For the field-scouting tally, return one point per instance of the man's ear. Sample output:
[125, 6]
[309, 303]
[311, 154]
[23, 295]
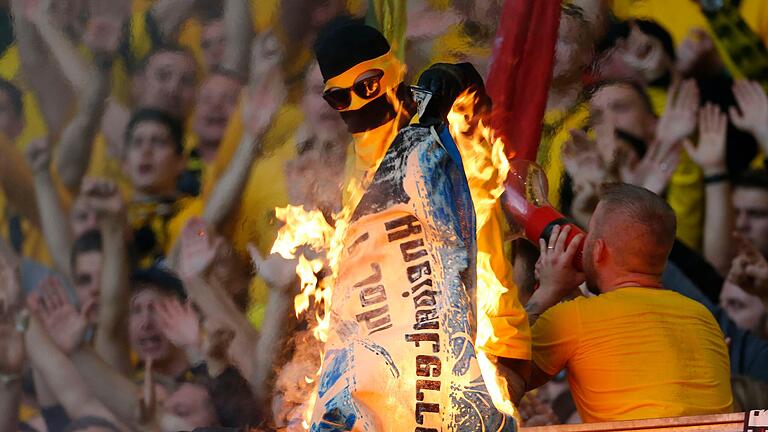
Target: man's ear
[600, 251]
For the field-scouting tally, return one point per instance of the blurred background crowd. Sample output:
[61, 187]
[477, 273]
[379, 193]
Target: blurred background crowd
[145, 144]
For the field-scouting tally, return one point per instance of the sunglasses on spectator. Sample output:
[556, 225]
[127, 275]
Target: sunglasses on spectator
[367, 86]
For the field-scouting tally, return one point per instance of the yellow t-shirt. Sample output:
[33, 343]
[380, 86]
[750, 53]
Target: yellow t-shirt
[265, 189]
[636, 353]
[156, 226]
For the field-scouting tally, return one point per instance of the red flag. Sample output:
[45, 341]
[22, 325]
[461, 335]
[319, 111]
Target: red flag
[518, 81]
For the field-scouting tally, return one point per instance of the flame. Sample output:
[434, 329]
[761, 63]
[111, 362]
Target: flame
[486, 166]
[485, 162]
[316, 244]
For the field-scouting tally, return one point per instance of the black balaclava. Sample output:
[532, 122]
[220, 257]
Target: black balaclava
[345, 48]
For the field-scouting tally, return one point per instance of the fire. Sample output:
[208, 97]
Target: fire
[486, 166]
[485, 163]
[317, 245]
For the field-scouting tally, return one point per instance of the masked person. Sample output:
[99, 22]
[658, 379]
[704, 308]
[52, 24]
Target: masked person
[400, 353]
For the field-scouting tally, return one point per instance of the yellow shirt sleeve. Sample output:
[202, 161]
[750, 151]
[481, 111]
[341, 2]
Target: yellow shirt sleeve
[503, 328]
[555, 336]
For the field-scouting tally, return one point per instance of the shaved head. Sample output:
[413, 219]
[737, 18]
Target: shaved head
[636, 227]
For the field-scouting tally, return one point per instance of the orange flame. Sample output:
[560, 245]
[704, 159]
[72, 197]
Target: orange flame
[486, 166]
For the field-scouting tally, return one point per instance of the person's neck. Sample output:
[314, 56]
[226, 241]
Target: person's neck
[207, 150]
[631, 280]
[564, 93]
[172, 366]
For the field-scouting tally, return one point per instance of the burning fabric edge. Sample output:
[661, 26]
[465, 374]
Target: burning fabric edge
[415, 193]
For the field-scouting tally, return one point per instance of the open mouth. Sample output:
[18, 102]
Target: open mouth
[216, 121]
[150, 343]
[145, 168]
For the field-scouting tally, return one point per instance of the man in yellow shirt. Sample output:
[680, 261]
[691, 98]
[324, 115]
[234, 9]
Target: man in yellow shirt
[635, 350]
[153, 160]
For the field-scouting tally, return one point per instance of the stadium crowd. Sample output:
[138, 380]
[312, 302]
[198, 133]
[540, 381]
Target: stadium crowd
[145, 144]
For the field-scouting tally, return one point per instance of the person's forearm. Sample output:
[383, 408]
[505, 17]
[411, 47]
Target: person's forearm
[239, 34]
[509, 375]
[59, 373]
[540, 301]
[69, 60]
[118, 393]
[40, 72]
[73, 154]
[58, 236]
[16, 181]
[170, 14]
[217, 305]
[112, 335]
[270, 339]
[718, 223]
[229, 188]
[10, 400]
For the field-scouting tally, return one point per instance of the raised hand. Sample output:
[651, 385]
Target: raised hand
[278, 272]
[749, 269]
[557, 274]
[62, 321]
[710, 153]
[216, 342]
[198, 249]
[679, 118]
[583, 160]
[103, 196]
[266, 90]
[698, 52]
[536, 412]
[39, 156]
[103, 36]
[752, 114]
[37, 10]
[654, 170]
[179, 323]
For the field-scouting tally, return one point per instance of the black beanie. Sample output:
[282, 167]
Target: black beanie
[345, 42]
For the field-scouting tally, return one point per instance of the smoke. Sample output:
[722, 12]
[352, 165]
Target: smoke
[293, 387]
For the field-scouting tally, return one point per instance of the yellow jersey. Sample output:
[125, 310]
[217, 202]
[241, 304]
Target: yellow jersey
[636, 353]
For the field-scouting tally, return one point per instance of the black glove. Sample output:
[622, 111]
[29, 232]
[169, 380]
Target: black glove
[446, 82]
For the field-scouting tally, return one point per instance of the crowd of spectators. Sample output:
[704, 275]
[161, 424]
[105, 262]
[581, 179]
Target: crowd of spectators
[145, 144]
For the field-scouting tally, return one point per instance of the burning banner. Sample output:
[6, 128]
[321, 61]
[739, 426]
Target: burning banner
[398, 319]
[400, 353]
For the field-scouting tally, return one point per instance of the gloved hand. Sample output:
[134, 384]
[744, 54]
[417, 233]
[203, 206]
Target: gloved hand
[446, 82]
